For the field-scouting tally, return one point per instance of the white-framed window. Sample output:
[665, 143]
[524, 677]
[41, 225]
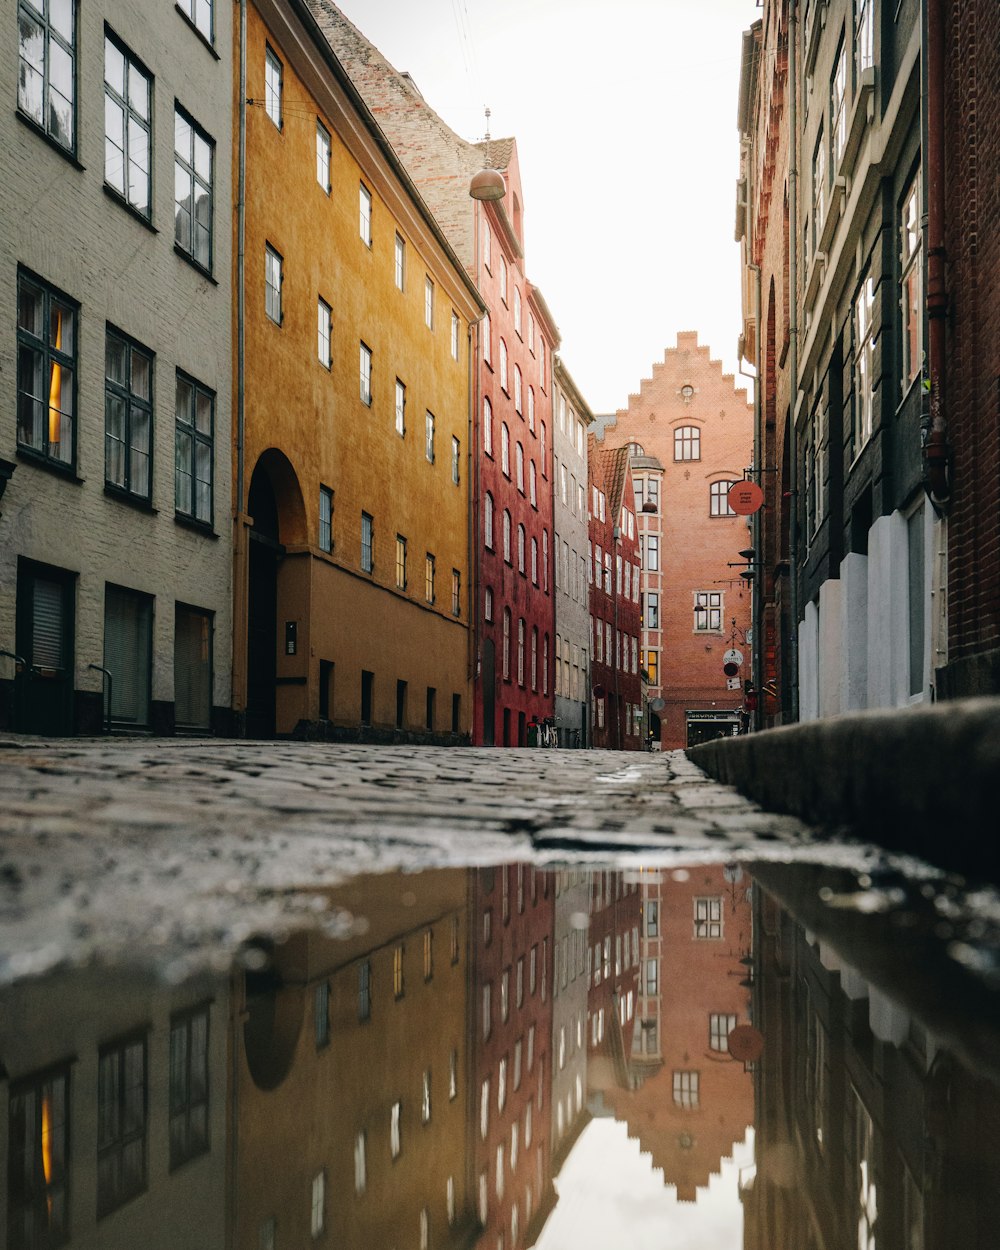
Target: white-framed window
[534, 561]
[400, 562]
[429, 436]
[360, 1162]
[505, 449]
[127, 123]
[503, 277]
[506, 644]
[400, 262]
[488, 520]
[365, 374]
[517, 309]
[322, 156]
[487, 245]
[864, 34]
[534, 686]
[425, 1228]
[365, 214]
[194, 159]
[718, 498]
[545, 669]
[425, 1097]
[838, 108]
[430, 570]
[454, 335]
[864, 364]
[400, 408]
[532, 484]
[323, 316]
[719, 1028]
[317, 1219]
[487, 426]
[428, 303]
[519, 467]
[545, 566]
[531, 332]
[517, 389]
[506, 536]
[273, 278]
[707, 611]
[488, 603]
[687, 442]
[652, 607]
[456, 593]
[273, 73]
[367, 543]
[911, 285]
[486, 332]
[456, 460]
[707, 918]
[503, 365]
[685, 1089]
[395, 1137]
[521, 548]
[199, 13]
[819, 187]
[325, 518]
[531, 409]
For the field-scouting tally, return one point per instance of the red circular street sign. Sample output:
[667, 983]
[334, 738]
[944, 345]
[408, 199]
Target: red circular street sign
[746, 1043]
[745, 498]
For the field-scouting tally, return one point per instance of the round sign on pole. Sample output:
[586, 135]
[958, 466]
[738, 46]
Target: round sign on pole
[732, 656]
[746, 1043]
[745, 497]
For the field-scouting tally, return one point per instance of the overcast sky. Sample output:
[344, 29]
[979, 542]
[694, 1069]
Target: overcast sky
[625, 118]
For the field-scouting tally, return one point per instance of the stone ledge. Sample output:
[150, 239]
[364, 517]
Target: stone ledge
[921, 781]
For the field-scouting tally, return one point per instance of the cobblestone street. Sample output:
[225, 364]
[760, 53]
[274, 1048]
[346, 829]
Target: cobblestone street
[103, 842]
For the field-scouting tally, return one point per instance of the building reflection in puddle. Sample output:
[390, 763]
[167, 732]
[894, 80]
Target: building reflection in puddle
[432, 1074]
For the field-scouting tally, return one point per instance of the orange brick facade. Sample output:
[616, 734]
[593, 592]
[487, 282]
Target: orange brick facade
[693, 419]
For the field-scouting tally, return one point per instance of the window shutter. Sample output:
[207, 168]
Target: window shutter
[47, 634]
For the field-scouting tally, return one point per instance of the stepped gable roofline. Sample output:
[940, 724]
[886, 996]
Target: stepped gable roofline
[542, 308]
[565, 380]
[306, 12]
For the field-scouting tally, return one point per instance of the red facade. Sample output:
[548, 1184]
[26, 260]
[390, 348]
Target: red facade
[616, 690]
[514, 686]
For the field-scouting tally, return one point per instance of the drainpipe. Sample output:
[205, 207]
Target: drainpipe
[757, 587]
[936, 453]
[793, 366]
[241, 556]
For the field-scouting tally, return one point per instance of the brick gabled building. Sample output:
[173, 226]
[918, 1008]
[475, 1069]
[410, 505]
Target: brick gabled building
[616, 690]
[510, 438]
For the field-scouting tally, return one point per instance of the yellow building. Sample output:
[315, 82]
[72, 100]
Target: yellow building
[352, 588]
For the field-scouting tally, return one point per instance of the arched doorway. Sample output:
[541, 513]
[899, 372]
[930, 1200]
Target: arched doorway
[275, 503]
[488, 687]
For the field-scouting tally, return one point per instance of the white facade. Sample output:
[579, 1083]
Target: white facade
[116, 338]
[570, 421]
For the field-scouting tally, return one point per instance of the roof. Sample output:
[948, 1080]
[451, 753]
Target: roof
[501, 150]
[614, 462]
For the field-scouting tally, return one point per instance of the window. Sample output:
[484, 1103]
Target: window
[128, 642]
[487, 333]
[517, 310]
[325, 518]
[192, 668]
[429, 436]
[814, 469]
[128, 416]
[199, 13]
[506, 645]
[520, 655]
[365, 377]
[517, 389]
[819, 187]
[487, 426]
[400, 409]
[400, 262]
[687, 443]
[532, 484]
[456, 460]
[273, 278]
[531, 409]
[652, 913]
[360, 1162]
[505, 448]
[46, 80]
[487, 1025]
[708, 918]
[188, 1087]
[719, 499]
[428, 303]
[321, 1014]
[453, 1065]
[322, 156]
[429, 578]
[488, 520]
[273, 71]
[365, 214]
[323, 333]
[127, 126]
[545, 560]
[194, 157]
[425, 1097]
[864, 365]
[400, 562]
[707, 611]
[503, 365]
[488, 603]
[398, 981]
[317, 1217]
[425, 1228]
[506, 536]
[456, 593]
[267, 1234]
[46, 371]
[519, 467]
[503, 278]
[686, 1089]
[838, 108]
[37, 1167]
[365, 990]
[543, 458]
[121, 1124]
[534, 561]
[910, 285]
[864, 34]
[545, 664]
[652, 977]
[652, 606]
[367, 543]
[395, 1141]
[719, 1028]
[454, 335]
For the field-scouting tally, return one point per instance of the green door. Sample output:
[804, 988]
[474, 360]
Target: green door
[43, 699]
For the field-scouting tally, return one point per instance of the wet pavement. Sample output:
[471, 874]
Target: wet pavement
[258, 996]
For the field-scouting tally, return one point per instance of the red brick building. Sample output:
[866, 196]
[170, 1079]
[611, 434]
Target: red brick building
[969, 38]
[510, 444]
[616, 692]
[690, 416]
[513, 914]
[613, 979]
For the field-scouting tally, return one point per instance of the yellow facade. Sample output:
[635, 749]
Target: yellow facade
[318, 620]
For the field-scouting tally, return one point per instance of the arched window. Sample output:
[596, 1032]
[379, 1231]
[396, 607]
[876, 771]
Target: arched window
[545, 470]
[687, 442]
[545, 560]
[636, 449]
[506, 644]
[519, 467]
[532, 484]
[517, 388]
[545, 664]
[487, 333]
[517, 308]
[506, 535]
[520, 650]
[505, 448]
[558, 689]
[487, 425]
[488, 520]
[520, 548]
[534, 655]
[531, 409]
[503, 364]
[719, 499]
[534, 560]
